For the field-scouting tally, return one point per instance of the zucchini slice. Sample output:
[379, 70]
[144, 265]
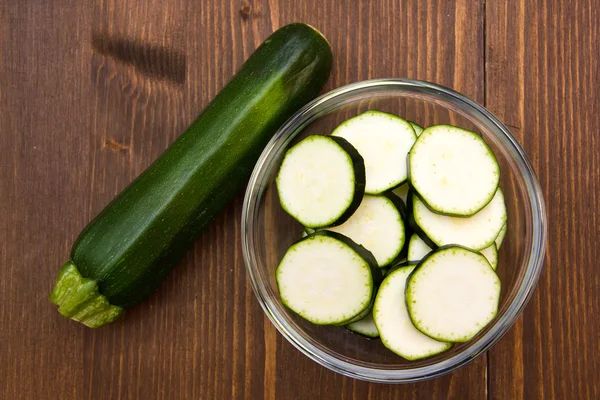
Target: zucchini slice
[414, 227]
[383, 140]
[500, 239]
[417, 249]
[321, 181]
[377, 225]
[417, 128]
[394, 324]
[365, 326]
[476, 232]
[453, 170]
[491, 254]
[452, 295]
[327, 279]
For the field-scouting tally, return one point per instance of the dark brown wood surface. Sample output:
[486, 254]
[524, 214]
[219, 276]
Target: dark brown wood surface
[92, 91]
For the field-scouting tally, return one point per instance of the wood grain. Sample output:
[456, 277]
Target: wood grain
[542, 79]
[91, 92]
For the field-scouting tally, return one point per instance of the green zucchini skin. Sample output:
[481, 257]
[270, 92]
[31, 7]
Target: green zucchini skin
[131, 246]
[414, 227]
[401, 207]
[359, 178]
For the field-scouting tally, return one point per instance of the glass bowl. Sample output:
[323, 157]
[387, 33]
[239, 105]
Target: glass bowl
[267, 231]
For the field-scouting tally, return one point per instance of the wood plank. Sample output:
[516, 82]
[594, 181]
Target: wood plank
[542, 79]
[44, 125]
[90, 94]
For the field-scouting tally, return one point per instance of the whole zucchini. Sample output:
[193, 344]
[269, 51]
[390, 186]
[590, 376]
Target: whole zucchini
[128, 249]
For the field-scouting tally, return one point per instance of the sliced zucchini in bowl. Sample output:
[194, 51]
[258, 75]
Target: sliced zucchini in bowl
[383, 140]
[363, 313]
[327, 279]
[417, 249]
[452, 295]
[491, 254]
[417, 128]
[377, 225]
[365, 326]
[500, 238]
[414, 227]
[321, 181]
[476, 232]
[440, 287]
[453, 170]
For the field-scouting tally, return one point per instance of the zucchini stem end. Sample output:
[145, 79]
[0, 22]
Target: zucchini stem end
[78, 298]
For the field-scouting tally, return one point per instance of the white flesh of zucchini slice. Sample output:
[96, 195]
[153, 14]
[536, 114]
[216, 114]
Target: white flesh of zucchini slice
[417, 248]
[316, 182]
[452, 295]
[453, 170]
[500, 239]
[377, 225]
[324, 280]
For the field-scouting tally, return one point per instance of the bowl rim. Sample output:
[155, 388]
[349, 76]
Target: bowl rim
[319, 107]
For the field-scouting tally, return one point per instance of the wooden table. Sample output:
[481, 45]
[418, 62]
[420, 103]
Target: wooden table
[92, 92]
